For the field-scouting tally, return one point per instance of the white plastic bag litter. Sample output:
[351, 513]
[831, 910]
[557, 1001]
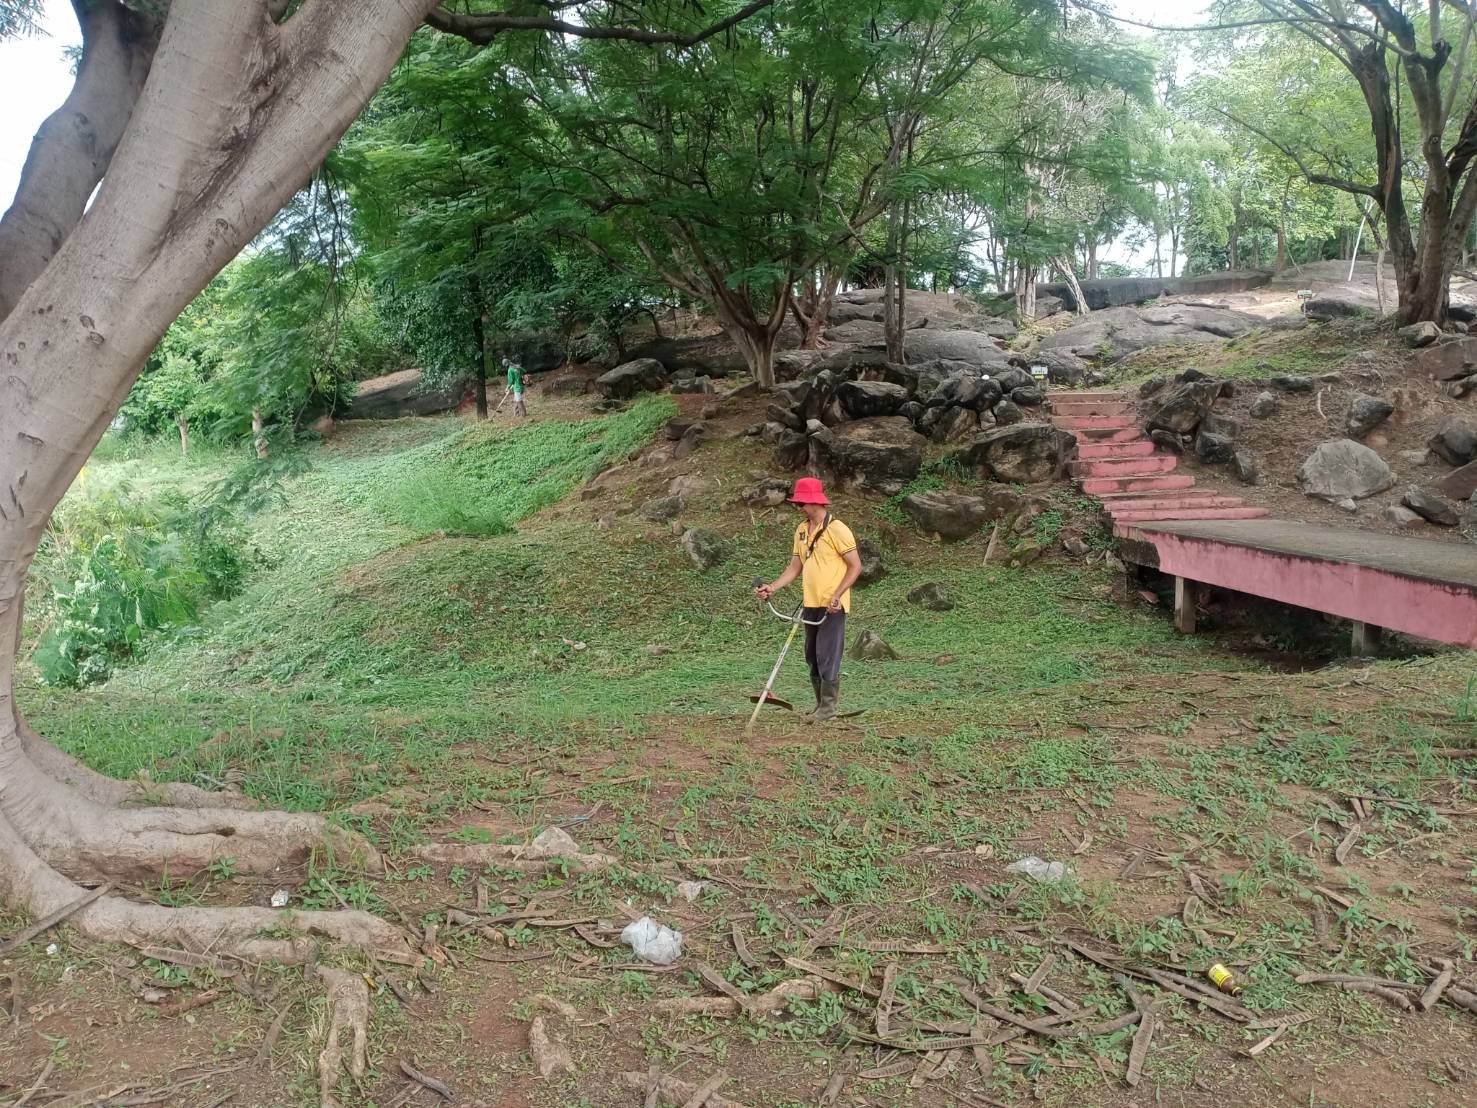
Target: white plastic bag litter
[653, 942]
[1048, 873]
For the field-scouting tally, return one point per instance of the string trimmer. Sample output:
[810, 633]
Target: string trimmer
[795, 621]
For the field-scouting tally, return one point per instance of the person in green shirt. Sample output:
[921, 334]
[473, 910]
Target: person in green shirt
[515, 385]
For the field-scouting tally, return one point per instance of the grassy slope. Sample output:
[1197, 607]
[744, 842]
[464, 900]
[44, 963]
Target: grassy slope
[443, 677]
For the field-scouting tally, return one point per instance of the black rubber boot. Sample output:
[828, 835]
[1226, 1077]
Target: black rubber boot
[825, 708]
[815, 684]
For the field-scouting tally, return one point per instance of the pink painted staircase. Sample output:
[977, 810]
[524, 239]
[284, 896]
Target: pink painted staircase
[1135, 480]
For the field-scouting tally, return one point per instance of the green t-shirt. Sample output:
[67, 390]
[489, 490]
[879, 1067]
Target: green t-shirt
[515, 377]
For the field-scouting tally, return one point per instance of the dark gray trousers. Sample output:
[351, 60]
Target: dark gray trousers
[824, 645]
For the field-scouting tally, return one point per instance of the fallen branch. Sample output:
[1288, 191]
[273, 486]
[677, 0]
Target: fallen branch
[189, 1004]
[1143, 1037]
[1252, 1052]
[1434, 991]
[884, 1000]
[675, 1090]
[705, 1091]
[425, 1081]
[1385, 990]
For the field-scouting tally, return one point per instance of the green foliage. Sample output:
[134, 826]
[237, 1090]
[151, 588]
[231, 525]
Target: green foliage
[481, 480]
[121, 568]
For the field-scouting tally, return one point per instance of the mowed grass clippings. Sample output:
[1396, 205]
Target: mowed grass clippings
[465, 685]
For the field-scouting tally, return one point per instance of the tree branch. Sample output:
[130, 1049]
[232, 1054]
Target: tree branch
[1312, 178]
[483, 28]
[72, 149]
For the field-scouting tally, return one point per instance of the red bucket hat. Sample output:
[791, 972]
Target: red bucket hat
[808, 490]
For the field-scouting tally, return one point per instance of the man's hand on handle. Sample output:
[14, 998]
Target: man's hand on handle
[764, 592]
[834, 606]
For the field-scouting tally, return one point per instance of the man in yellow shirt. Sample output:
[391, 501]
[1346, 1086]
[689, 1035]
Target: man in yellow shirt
[825, 553]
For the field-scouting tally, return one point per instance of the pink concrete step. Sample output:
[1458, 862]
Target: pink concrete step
[1191, 513]
[1126, 467]
[1096, 486]
[1128, 497]
[1118, 505]
[1116, 416]
[1090, 423]
[1106, 434]
[1140, 449]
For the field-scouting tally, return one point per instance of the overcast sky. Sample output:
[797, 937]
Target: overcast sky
[35, 76]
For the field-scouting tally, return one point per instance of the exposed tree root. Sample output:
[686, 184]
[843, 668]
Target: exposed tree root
[89, 841]
[112, 793]
[256, 934]
[348, 1012]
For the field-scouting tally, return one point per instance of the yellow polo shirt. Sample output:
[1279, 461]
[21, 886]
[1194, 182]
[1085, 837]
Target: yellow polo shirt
[826, 568]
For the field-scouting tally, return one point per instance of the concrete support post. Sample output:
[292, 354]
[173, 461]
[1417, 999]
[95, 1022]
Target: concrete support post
[1184, 605]
[1366, 639]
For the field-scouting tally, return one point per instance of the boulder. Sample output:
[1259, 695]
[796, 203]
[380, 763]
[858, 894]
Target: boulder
[767, 492]
[1029, 396]
[1459, 484]
[950, 515]
[1012, 377]
[1265, 405]
[630, 378]
[1024, 453]
[1455, 441]
[1345, 302]
[1462, 387]
[932, 596]
[396, 395]
[1062, 366]
[1218, 424]
[911, 411]
[691, 439]
[696, 385]
[882, 453]
[1247, 471]
[1397, 515]
[861, 332]
[785, 416]
[1431, 506]
[1167, 440]
[964, 390]
[567, 386]
[1446, 361]
[1181, 407]
[871, 647]
[1152, 385]
[976, 348]
[1115, 332]
[863, 399]
[1365, 414]
[1008, 412]
[791, 449]
[1293, 383]
[1418, 335]
[662, 509]
[1417, 457]
[874, 566]
[1341, 469]
[1213, 448]
[706, 548]
[954, 425]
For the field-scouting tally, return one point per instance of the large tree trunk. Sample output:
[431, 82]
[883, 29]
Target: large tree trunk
[753, 336]
[1069, 275]
[72, 149]
[812, 308]
[236, 113]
